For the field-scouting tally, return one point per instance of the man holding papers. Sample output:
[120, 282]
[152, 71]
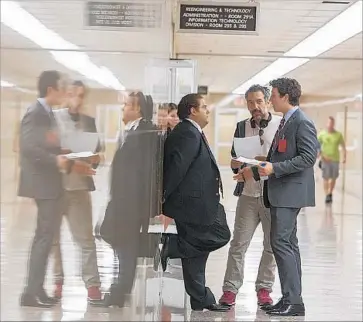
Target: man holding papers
[290, 187]
[76, 131]
[253, 138]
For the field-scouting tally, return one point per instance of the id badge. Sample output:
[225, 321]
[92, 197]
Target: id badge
[282, 145]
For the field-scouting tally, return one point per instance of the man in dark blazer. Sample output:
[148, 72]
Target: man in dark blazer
[192, 187]
[290, 187]
[133, 195]
[41, 164]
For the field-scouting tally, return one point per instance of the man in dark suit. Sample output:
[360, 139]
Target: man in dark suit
[192, 187]
[290, 187]
[41, 164]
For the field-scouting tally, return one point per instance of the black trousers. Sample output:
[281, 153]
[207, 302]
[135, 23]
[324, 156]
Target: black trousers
[127, 250]
[193, 245]
[285, 247]
[49, 219]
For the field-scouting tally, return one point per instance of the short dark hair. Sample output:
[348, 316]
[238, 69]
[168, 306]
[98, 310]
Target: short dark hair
[79, 83]
[146, 105]
[258, 88]
[331, 118]
[290, 87]
[187, 103]
[48, 78]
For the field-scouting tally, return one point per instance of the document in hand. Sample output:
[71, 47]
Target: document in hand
[79, 155]
[248, 161]
[248, 147]
[80, 141]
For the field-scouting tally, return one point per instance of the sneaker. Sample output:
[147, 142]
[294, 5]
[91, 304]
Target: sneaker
[263, 297]
[94, 293]
[329, 198]
[228, 298]
[58, 291]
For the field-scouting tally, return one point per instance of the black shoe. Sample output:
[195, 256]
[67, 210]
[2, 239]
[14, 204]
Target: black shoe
[110, 300]
[215, 307]
[44, 298]
[289, 310]
[277, 306]
[164, 254]
[329, 198]
[35, 301]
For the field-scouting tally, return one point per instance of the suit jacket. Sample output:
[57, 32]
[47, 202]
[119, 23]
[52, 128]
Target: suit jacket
[292, 185]
[191, 177]
[39, 145]
[133, 194]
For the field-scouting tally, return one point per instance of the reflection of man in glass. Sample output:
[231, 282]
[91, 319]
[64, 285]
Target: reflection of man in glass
[77, 202]
[132, 195]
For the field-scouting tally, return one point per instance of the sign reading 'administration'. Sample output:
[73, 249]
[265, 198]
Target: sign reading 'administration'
[239, 18]
[123, 14]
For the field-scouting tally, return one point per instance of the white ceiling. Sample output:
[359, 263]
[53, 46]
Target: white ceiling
[282, 25]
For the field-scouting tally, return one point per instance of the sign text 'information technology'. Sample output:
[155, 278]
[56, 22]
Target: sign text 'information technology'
[218, 18]
[123, 14]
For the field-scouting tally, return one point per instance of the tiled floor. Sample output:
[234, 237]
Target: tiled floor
[330, 243]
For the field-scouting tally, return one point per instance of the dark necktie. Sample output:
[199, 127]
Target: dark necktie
[276, 137]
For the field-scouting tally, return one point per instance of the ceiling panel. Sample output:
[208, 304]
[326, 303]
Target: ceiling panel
[282, 25]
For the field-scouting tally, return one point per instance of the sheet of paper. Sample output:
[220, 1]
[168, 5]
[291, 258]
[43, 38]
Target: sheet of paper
[248, 161]
[80, 141]
[79, 155]
[248, 147]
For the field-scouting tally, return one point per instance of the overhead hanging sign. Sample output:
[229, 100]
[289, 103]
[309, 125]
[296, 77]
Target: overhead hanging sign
[119, 14]
[222, 18]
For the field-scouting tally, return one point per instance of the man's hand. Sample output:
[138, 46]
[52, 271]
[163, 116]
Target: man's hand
[265, 169]
[62, 162]
[66, 151]
[94, 159]
[236, 164]
[83, 168]
[244, 175]
[344, 159]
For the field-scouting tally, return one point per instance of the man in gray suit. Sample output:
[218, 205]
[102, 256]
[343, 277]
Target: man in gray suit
[290, 187]
[41, 167]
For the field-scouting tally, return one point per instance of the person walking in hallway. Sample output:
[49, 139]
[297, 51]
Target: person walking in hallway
[290, 186]
[192, 187]
[77, 197]
[41, 167]
[250, 210]
[330, 140]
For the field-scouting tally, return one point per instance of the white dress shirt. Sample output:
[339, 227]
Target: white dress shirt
[196, 125]
[254, 188]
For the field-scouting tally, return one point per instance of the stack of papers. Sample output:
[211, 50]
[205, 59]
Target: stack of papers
[248, 147]
[248, 161]
[79, 155]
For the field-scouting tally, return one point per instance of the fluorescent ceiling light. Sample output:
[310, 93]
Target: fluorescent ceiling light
[6, 84]
[344, 26]
[15, 17]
